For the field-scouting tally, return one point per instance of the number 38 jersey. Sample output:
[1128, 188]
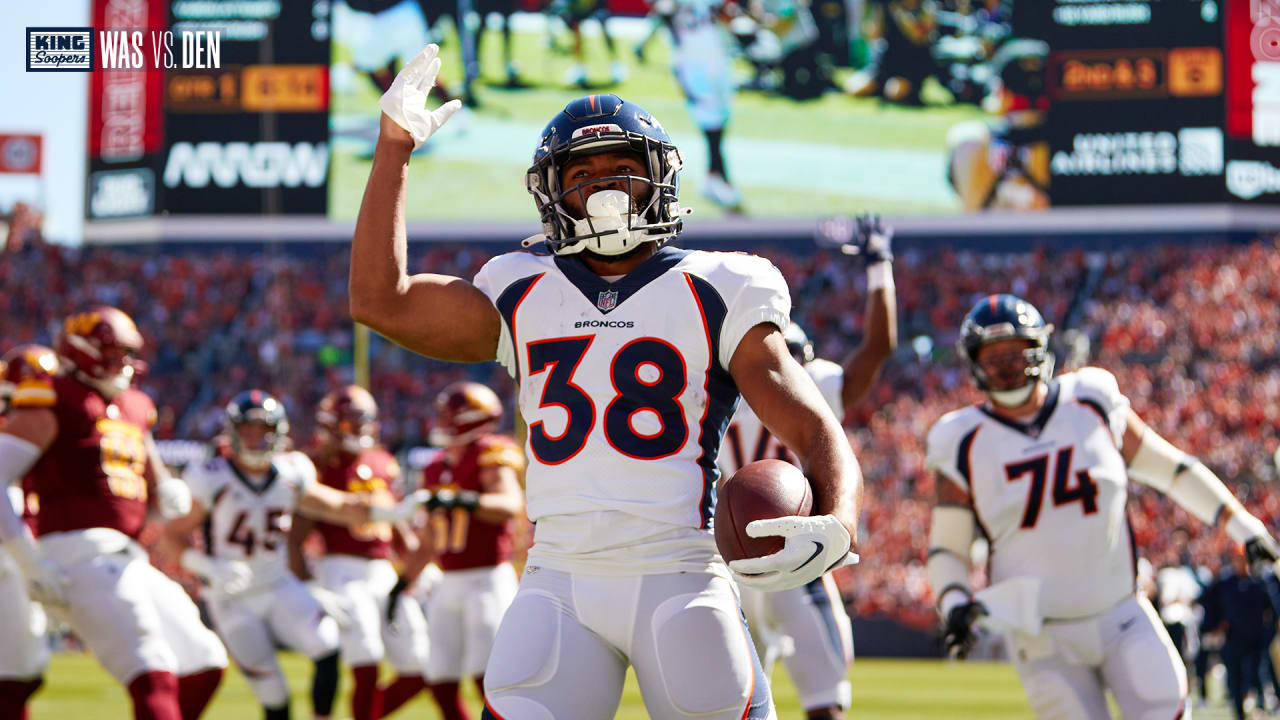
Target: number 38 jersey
[249, 518]
[626, 392]
[1050, 495]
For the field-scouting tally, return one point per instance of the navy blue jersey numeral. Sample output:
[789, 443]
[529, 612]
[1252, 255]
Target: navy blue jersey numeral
[635, 394]
[563, 355]
[1085, 490]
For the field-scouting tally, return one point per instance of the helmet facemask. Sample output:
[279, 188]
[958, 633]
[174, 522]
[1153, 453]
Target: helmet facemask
[1037, 361]
[617, 220]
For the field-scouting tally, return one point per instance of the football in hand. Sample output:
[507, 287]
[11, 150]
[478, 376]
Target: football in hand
[758, 491]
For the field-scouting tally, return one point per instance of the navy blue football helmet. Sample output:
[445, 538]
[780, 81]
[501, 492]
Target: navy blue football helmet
[257, 406]
[596, 124]
[1001, 317]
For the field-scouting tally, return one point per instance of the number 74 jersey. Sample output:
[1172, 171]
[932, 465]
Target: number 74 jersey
[1049, 494]
[625, 385]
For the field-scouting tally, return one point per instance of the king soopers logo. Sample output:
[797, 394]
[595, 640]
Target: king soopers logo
[60, 49]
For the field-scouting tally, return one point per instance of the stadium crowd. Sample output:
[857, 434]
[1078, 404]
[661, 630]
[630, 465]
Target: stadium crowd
[1191, 332]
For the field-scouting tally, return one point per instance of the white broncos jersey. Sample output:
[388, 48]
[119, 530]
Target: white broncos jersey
[1050, 495]
[626, 391]
[249, 519]
[748, 440]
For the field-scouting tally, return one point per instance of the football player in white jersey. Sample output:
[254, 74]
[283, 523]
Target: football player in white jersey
[244, 505]
[813, 616]
[630, 355]
[1042, 470]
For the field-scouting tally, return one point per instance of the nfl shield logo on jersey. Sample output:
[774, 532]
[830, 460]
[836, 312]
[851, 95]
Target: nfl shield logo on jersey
[607, 300]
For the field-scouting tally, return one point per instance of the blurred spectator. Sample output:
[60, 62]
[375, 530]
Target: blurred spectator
[1241, 607]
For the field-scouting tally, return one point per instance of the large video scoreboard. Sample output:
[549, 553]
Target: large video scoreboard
[1152, 101]
[249, 136]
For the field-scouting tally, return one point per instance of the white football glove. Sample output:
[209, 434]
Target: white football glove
[406, 101]
[228, 576]
[402, 511]
[173, 498]
[46, 582]
[813, 545]
[333, 604]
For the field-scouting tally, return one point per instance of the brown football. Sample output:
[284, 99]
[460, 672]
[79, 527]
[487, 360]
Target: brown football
[758, 491]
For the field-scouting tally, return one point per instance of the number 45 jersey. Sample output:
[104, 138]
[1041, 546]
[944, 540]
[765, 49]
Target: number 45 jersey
[626, 391]
[249, 517]
[1049, 495]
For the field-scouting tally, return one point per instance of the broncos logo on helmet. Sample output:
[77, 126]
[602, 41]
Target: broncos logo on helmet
[1004, 317]
[597, 124]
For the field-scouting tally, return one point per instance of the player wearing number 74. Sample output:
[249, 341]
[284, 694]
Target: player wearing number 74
[1042, 470]
[630, 355]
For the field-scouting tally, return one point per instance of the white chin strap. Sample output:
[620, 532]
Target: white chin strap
[607, 212]
[1015, 397]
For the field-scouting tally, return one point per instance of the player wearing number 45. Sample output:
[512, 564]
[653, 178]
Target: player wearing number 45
[1042, 470]
[630, 355]
[244, 503]
[83, 434]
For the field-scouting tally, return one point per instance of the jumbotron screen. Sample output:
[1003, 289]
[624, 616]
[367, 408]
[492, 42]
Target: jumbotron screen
[791, 109]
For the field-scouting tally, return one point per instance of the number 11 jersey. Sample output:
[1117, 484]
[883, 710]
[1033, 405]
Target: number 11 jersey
[625, 388]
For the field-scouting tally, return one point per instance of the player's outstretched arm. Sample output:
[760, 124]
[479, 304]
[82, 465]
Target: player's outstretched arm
[440, 316]
[791, 407]
[325, 503]
[298, 532]
[1153, 461]
[880, 338]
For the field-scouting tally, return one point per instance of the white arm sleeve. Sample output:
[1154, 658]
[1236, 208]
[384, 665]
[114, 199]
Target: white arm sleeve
[1189, 483]
[17, 457]
[950, 539]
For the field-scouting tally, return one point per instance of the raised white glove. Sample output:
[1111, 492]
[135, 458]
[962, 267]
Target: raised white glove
[406, 101]
[228, 576]
[333, 604]
[813, 545]
[46, 582]
[173, 498]
[402, 511]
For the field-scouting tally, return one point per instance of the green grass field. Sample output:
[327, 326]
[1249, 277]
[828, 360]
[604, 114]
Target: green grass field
[832, 155]
[76, 688]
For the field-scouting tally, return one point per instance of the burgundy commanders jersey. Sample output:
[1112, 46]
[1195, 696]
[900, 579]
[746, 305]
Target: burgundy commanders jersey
[463, 541]
[372, 473]
[94, 474]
